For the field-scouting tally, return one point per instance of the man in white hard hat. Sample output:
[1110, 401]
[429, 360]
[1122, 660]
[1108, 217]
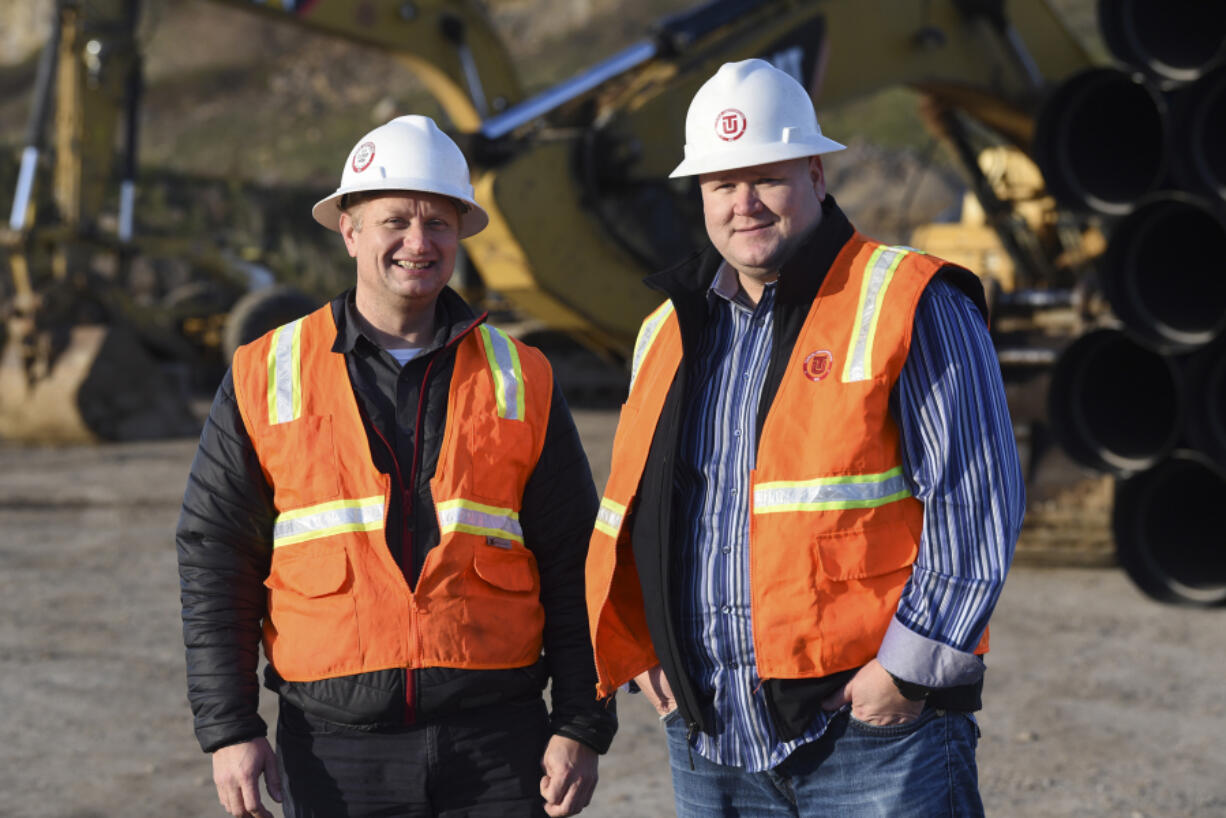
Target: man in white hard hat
[814, 495]
[393, 496]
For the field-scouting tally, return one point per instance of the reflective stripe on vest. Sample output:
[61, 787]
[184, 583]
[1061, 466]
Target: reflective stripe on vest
[830, 493]
[647, 336]
[503, 358]
[478, 518]
[327, 519]
[285, 374]
[879, 273]
[609, 518]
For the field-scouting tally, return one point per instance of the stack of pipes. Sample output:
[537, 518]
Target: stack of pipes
[1143, 395]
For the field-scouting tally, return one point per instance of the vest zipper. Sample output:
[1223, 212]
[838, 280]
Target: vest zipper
[410, 689]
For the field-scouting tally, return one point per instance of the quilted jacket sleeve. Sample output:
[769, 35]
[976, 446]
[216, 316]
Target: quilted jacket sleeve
[224, 543]
[559, 511]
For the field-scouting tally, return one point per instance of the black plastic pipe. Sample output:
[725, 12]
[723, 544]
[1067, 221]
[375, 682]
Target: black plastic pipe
[1170, 532]
[1163, 272]
[1113, 404]
[1198, 115]
[1102, 141]
[1204, 375]
[1170, 40]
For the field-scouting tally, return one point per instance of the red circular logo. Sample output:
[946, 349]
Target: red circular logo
[730, 124]
[818, 364]
[363, 156]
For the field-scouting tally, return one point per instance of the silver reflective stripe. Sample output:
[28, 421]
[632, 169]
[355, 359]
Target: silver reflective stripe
[853, 491]
[326, 519]
[478, 518]
[609, 518]
[503, 359]
[285, 398]
[647, 336]
[881, 266]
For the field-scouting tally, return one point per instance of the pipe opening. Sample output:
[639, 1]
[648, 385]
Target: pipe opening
[1171, 532]
[1175, 39]
[1207, 143]
[1102, 141]
[1163, 273]
[1114, 404]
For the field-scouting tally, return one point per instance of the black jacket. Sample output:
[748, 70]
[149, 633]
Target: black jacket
[224, 542]
[793, 703]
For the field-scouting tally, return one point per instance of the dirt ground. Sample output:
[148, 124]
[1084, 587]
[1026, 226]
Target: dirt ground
[1098, 703]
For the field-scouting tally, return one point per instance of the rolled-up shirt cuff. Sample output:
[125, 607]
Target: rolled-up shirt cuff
[924, 661]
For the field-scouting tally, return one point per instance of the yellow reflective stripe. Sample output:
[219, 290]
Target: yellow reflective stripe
[609, 518]
[878, 274]
[478, 518]
[326, 519]
[829, 493]
[503, 360]
[285, 373]
[648, 333]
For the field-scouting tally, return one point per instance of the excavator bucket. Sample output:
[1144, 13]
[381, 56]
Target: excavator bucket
[91, 383]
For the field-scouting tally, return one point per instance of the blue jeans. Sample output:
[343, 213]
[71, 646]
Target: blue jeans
[923, 769]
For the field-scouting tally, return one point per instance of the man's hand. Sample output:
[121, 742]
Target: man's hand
[874, 698]
[236, 772]
[570, 776]
[654, 685]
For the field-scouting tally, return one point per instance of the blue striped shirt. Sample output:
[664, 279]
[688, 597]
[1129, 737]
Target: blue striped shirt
[960, 460]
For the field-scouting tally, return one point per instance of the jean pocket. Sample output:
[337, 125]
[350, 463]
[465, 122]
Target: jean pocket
[671, 717]
[892, 730]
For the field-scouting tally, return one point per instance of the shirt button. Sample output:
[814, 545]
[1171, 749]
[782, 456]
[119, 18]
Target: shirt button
[726, 609]
[726, 550]
[732, 665]
[736, 432]
[733, 492]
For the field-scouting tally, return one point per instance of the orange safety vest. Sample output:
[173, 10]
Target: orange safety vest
[834, 529]
[338, 603]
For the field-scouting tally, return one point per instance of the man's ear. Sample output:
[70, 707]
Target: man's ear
[348, 227]
[818, 175]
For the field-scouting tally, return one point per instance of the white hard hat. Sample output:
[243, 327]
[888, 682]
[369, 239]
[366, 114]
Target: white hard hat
[409, 153]
[750, 113]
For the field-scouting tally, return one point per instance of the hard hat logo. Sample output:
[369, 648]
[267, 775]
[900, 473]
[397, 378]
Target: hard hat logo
[363, 156]
[730, 124]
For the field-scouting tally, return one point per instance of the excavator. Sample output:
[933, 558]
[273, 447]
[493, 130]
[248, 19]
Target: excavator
[592, 152]
[574, 179]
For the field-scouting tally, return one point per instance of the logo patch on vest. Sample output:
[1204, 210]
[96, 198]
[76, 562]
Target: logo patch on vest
[730, 124]
[818, 364]
[499, 542]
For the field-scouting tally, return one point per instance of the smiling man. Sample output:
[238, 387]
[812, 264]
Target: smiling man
[392, 495]
[814, 496]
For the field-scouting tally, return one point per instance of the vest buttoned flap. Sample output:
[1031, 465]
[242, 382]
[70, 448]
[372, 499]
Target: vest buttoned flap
[338, 602]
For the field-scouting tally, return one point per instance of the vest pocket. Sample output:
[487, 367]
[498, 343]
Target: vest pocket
[511, 569]
[300, 460]
[312, 628]
[865, 552]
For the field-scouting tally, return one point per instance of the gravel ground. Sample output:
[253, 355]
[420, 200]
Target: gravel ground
[1099, 702]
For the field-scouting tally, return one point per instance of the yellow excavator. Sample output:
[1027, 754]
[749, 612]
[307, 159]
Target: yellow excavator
[574, 178]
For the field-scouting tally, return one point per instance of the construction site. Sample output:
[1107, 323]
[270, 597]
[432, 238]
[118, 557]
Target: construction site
[160, 159]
